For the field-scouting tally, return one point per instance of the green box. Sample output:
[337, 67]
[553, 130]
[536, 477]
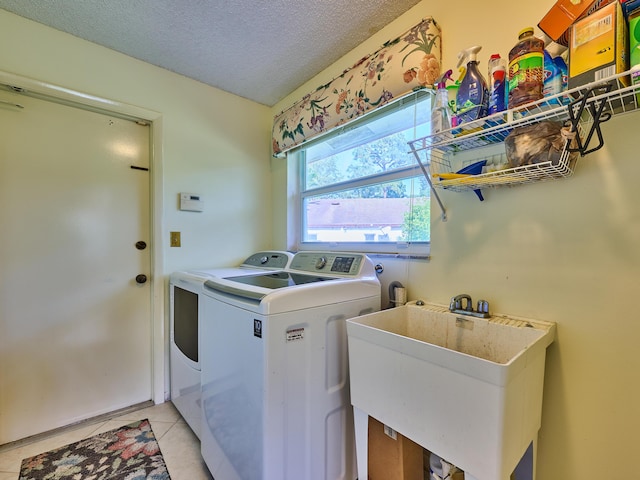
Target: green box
[634, 47]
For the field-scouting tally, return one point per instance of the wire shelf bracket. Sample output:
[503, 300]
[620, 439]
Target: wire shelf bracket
[596, 109]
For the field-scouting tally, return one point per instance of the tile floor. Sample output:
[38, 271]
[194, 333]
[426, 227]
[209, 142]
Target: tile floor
[180, 447]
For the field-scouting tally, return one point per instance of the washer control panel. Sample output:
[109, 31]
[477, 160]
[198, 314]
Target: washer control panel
[328, 262]
[277, 260]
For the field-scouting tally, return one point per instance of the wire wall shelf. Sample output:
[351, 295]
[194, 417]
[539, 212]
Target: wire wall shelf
[582, 109]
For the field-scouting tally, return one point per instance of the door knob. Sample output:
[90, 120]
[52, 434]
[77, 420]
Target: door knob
[141, 245]
[141, 278]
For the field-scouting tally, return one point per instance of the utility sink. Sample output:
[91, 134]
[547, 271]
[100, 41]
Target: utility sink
[468, 389]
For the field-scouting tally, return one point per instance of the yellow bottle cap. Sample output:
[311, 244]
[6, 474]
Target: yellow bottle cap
[525, 32]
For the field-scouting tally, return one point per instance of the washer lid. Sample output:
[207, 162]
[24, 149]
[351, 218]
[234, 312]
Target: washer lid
[258, 286]
[278, 279]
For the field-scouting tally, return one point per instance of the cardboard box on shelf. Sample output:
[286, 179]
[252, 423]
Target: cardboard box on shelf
[598, 46]
[562, 15]
[393, 459]
[634, 47]
[556, 24]
[629, 7]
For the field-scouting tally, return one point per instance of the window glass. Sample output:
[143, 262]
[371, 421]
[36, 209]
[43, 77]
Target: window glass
[361, 188]
[395, 211]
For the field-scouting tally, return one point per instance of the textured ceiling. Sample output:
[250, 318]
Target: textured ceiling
[259, 49]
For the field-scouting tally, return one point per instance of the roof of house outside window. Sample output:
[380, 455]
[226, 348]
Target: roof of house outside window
[350, 212]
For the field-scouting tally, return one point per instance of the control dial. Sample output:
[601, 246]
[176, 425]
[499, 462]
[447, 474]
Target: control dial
[264, 259]
[321, 262]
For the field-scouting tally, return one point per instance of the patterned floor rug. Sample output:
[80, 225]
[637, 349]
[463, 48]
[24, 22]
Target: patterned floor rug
[127, 453]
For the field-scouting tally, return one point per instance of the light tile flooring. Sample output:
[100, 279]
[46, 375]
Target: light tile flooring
[180, 447]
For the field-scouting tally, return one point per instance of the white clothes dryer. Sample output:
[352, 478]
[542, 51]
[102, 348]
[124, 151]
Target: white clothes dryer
[185, 300]
[275, 384]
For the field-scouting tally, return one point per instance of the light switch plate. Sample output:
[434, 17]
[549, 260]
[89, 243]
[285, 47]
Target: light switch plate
[175, 239]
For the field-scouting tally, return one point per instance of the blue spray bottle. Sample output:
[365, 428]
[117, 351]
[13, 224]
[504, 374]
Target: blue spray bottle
[473, 94]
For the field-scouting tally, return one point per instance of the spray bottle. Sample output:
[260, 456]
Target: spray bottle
[452, 91]
[473, 94]
[440, 116]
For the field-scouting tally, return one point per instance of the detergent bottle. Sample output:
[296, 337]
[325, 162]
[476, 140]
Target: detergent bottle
[473, 94]
[440, 116]
[526, 69]
[552, 80]
[452, 90]
[497, 84]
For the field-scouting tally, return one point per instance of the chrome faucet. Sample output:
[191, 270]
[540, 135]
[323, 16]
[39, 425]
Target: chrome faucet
[456, 306]
[456, 302]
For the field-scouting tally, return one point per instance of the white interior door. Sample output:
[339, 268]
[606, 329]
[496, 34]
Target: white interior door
[75, 326]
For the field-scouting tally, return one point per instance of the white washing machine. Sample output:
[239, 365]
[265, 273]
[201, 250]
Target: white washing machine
[185, 300]
[275, 384]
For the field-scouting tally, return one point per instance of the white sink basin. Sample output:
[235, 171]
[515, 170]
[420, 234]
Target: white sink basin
[468, 389]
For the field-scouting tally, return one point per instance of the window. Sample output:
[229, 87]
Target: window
[360, 188]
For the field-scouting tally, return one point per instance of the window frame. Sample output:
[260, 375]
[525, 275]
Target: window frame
[296, 174]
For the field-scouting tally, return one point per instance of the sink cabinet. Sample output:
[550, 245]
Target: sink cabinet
[468, 389]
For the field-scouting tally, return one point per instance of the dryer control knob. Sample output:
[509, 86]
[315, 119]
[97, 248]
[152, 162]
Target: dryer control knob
[264, 259]
[321, 262]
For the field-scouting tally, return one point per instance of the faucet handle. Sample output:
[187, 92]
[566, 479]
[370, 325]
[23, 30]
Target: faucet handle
[469, 307]
[483, 306]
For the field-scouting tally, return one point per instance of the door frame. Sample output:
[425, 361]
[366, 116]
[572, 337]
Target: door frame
[159, 327]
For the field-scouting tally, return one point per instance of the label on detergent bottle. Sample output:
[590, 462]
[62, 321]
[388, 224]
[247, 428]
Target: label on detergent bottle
[526, 75]
[552, 78]
[496, 101]
[468, 104]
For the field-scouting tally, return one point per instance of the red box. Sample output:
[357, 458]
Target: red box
[557, 22]
[562, 15]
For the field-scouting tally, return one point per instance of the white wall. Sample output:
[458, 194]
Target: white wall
[563, 251]
[211, 143]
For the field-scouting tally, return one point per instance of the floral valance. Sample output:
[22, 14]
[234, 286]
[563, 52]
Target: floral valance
[409, 62]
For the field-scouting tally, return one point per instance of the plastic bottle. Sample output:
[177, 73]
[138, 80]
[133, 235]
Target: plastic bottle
[453, 95]
[497, 85]
[562, 66]
[473, 94]
[435, 467]
[552, 84]
[440, 469]
[526, 68]
[440, 116]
